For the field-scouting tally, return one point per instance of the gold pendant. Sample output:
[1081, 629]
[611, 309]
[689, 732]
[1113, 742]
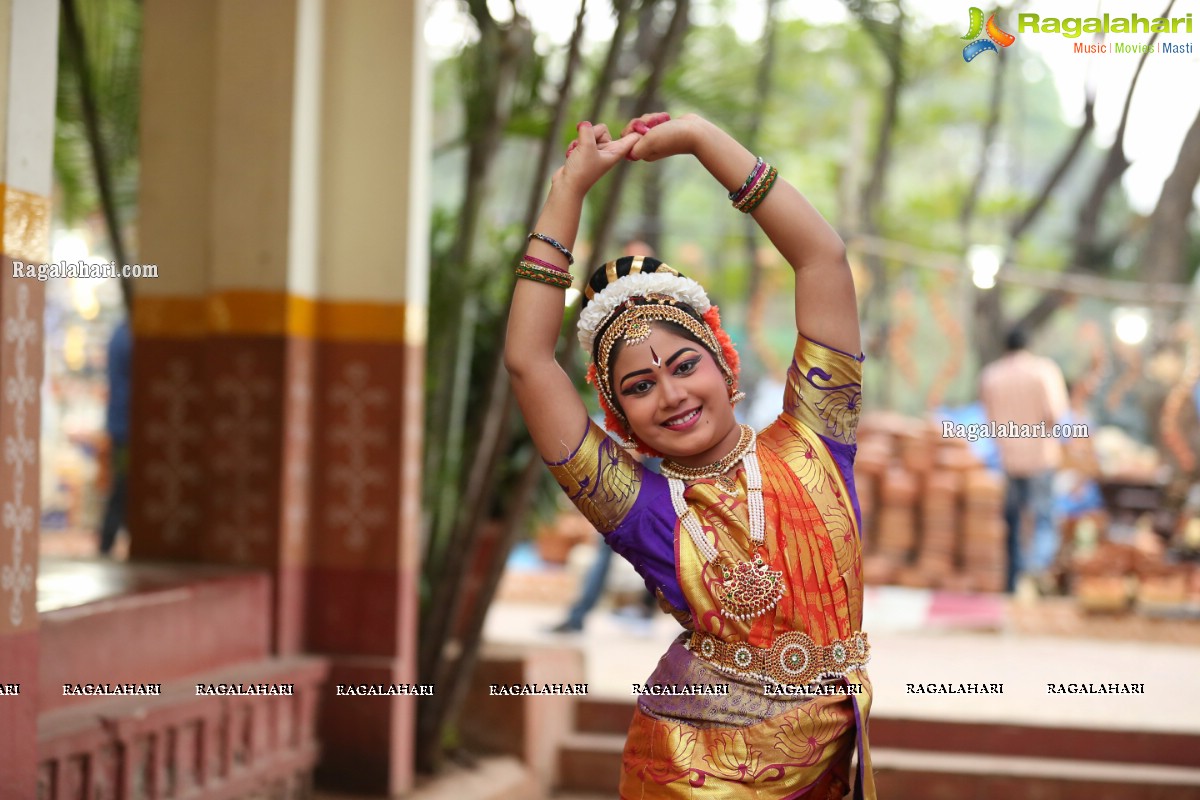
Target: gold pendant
[749, 588]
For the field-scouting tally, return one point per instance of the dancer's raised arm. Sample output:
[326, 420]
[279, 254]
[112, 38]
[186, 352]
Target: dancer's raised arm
[826, 308]
[553, 412]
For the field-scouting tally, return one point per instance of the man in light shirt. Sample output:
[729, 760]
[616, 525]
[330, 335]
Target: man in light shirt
[1027, 389]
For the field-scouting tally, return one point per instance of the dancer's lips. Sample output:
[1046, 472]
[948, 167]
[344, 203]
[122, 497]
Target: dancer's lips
[681, 422]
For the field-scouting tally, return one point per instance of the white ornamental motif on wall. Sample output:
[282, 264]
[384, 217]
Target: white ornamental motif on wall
[360, 448]
[20, 453]
[298, 450]
[172, 469]
[242, 426]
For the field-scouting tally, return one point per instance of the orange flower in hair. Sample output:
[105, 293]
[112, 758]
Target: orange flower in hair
[712, 318]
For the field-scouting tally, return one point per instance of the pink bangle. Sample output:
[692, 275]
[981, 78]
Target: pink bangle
[545, 264]
[748, 186]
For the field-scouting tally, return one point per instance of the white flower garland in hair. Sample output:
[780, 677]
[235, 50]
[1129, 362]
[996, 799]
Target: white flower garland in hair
[685, 290]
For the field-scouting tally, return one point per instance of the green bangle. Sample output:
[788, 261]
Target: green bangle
[559, 281]
[760, 193]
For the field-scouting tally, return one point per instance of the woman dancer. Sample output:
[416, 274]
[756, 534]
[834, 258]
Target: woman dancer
[751, 540]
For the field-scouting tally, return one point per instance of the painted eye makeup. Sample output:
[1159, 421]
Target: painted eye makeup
[636, 388]
[688, 367]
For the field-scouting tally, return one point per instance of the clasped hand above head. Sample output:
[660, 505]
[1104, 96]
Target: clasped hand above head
[825, 304]
[649, 137]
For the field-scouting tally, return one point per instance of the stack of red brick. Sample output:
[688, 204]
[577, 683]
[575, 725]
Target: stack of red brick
[932, 513]
[1120, 577]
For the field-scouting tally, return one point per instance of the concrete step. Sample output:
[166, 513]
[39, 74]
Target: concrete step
[1158, 748]
[956, 761]
[491, 778]
[600, 715]
[905, 774]
[611, 716]
[106, 622]
[590, 762]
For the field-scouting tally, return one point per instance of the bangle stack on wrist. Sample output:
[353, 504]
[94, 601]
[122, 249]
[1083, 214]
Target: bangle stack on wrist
[758, 184]
[759, 167]
[532, 268]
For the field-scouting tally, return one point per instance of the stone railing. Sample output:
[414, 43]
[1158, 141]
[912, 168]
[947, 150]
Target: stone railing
[182, 744]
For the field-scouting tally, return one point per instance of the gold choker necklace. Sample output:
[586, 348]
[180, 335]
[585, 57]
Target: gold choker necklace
[673, 470]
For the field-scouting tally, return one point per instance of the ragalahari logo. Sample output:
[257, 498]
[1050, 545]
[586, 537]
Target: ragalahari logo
[995, 36]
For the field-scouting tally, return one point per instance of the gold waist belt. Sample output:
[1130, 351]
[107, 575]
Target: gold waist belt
[794, 659]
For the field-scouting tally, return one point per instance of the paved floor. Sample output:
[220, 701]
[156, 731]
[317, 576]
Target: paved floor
[916, 636]
[619, 653]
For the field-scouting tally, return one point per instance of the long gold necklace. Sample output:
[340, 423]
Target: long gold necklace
[748, 588]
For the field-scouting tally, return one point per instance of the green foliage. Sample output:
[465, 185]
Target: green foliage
[819, 125]
[112, 32]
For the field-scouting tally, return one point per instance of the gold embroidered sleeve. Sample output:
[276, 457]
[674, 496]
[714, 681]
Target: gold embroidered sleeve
[824, 390]
[601, 479]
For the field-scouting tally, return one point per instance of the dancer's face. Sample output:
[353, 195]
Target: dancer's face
[675, 397]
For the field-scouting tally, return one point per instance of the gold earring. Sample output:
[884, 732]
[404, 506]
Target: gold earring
[628, 442]
[737, 397]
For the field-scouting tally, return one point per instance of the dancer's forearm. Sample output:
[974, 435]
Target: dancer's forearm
[793, 225]
[535, 318]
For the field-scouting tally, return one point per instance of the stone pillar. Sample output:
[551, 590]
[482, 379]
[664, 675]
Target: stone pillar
[279, 362]
[226, 184]
[368, 423]
[28, 67]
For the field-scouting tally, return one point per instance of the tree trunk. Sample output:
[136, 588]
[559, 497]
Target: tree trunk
[664, 53]
[437, 664]
[987, 331]
[91, 119]
[606, 79]
[499, 53]
[757, 291]
[987, 139]
[1167, 235]
[1088, 254]
[888, 38]
[451, 672]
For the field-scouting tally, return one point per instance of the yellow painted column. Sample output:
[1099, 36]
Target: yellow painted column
[28, 67]
[371, 280]
[169, 420]
[279, 362]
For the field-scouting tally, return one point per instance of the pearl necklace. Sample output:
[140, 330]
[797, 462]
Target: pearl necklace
[751, 589]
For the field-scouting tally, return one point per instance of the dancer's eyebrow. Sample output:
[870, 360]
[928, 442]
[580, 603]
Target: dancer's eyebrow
[681, 351]
[636, 372]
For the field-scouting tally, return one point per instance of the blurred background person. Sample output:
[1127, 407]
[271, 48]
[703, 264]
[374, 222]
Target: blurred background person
[1027, 389]
[120, 388]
